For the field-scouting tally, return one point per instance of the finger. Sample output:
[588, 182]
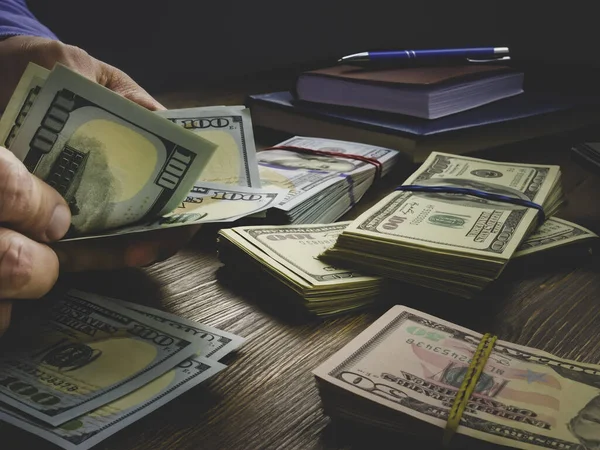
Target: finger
[28, 269]
[5, 312]
[121, 83]
[122, 251]
[29, 205]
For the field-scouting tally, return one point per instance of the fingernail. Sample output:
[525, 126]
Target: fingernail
[59, 223]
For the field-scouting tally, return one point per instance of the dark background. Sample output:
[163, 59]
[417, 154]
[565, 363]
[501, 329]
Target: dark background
[167, 44]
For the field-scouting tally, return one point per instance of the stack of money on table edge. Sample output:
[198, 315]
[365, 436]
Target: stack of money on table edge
[283, 260]
[323, 185]
[94, 365]
[403, 373]
[450, 240]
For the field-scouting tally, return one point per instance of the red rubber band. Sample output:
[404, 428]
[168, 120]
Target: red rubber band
[373, 161]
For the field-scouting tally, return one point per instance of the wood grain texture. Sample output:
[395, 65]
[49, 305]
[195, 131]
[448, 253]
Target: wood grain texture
[266, 398]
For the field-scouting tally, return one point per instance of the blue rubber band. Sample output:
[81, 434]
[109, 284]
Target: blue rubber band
[477, 193]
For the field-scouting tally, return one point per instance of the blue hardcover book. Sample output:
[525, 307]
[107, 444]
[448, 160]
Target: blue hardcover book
[509, 120]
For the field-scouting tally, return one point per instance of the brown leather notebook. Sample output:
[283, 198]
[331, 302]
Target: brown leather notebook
[412, 75]
[428, 92]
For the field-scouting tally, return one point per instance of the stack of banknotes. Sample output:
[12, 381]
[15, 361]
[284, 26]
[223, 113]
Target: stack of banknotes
[322, 185]
[404, 371]
[123, 168]
[94, 365]
[285, 260]
[448, 240]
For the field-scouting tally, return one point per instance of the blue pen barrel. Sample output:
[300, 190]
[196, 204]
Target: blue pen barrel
[475, 52]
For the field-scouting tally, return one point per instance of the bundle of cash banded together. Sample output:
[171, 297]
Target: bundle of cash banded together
[404, 371]
[122, 168]
[445, 240]
[325, 177]
[284, 260]
[95, 365]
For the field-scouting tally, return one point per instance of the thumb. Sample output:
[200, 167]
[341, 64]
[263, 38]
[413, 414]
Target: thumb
[118, 81]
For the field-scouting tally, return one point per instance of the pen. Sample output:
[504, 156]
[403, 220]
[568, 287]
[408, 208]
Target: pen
[476, 54]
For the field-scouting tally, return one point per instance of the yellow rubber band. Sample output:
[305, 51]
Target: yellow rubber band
[478, 362]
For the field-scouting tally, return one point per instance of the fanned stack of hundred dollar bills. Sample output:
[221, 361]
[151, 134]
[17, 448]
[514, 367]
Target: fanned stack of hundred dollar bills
[123, 168]
[284, 260]
[403, 373]
[452, 242]
[82, 367]
[321, 187]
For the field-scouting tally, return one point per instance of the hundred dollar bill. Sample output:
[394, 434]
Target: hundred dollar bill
[21, 101]
[321, 188]
[214, 343]
[411, 365]
[292, 251]
[206, 203]
[554, 232]
[114, 161]
[87, 430]
[90, 429]
[288, 256]
[448, 241]
[230, 128]
[85, 352]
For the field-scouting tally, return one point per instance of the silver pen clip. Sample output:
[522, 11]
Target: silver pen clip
[503, 58]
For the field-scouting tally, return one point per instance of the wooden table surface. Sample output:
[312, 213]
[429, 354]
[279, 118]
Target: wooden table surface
[266, 398]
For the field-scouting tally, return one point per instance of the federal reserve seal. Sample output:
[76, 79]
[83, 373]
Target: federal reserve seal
[486, 173]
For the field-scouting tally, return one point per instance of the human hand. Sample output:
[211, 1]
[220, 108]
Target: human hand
[29, 265]
[17, 51]
[34, 216]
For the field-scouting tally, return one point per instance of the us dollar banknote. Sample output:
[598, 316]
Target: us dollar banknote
[553, 233]
[448, 240]
[113, 161]
[292, 250]
[21, 101]
[214, 343]
[91, 428]
[85, 352]
[448, 221]
[284, 259]
[230, 128]
[205, 203]
[412, 364]
[321, 187]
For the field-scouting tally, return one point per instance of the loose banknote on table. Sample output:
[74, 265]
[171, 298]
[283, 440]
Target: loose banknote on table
[85, 430]
[321, 187]
[449, 241]
[285, 259]
[403, 373]
[113, 161]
